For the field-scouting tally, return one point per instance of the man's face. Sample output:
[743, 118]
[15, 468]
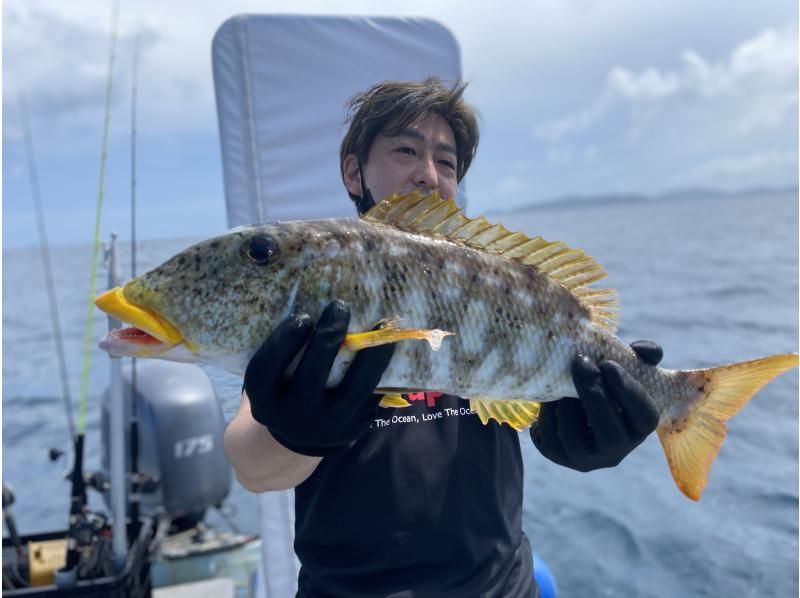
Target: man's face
[422, 156]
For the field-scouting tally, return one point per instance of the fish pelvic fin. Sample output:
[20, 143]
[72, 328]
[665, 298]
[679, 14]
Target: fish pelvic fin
[571, 268]
[393, 400]
[389, 331]
[692, 441]
[517, 414]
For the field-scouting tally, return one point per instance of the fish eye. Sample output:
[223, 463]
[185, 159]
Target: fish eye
[261, 250]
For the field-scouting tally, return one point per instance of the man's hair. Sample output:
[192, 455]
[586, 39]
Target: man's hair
[392, 106]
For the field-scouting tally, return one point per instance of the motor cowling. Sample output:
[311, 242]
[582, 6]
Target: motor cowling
[181, 428]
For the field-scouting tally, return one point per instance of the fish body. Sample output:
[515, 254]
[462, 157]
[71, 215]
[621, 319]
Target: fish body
[505, 314]
[510, 338]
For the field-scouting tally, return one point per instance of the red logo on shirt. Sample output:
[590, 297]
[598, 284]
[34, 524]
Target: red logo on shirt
[428, 397]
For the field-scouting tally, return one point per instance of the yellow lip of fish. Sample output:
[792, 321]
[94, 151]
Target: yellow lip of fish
[114, 303]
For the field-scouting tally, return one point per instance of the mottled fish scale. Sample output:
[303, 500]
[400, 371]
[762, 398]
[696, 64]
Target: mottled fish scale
[503, 343]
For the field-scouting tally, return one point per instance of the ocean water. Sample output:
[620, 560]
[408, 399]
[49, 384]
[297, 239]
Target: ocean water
[712, 279]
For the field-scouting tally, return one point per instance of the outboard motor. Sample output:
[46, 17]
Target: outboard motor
[180, 439]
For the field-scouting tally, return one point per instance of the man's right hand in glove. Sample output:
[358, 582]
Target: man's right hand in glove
[300, 412]
[289, 423]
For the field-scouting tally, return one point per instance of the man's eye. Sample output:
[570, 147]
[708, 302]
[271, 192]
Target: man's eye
[448, 163]
[406, 150]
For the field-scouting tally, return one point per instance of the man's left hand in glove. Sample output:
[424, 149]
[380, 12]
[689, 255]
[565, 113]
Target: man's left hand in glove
[611, 417]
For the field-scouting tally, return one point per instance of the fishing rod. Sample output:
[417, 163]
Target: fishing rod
[78, 520]
[133, 497]
[134, 89]
[85, 529]
[33, 174]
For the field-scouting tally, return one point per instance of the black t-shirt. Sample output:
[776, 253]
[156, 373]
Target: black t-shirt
[427, 503]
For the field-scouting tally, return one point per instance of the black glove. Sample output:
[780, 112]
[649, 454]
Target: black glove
[613, 415]
[300, 412]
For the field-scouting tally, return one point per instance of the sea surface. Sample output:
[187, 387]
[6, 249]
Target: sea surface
[712, 279]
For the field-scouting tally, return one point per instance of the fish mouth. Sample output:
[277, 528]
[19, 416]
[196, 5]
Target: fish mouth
[149, 333]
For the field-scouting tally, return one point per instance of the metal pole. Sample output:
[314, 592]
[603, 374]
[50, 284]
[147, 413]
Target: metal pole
[119, 482]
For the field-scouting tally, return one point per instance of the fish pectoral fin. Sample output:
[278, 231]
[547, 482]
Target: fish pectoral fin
[517, 414]
[692, 441]
[389, 331]
[395, 401]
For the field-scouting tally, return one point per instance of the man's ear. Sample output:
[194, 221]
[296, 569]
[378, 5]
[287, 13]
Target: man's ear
[352, 178]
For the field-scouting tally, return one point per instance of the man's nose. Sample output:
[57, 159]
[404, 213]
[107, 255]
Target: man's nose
[426, 174]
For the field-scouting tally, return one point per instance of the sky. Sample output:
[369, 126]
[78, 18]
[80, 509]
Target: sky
[576, 97]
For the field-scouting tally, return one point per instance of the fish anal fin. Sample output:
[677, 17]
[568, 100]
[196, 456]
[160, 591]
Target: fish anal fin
[692, 440]
[570, 268]
[517, 414]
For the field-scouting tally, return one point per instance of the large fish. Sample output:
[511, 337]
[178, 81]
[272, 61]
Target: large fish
[503, 315]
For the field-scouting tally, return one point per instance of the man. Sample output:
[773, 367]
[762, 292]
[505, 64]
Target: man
[431, 508]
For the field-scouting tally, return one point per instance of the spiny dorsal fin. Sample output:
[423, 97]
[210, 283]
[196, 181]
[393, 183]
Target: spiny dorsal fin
[571, 268]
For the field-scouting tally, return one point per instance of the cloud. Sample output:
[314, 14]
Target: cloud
[755, 88]
[556, 130]
[59, 63]
[58, 55]
[734, 170]
[512, 184]
[647, 106]
[568, 154]
[58, 51]
[524, 177]
[649, 85]
[52, 82]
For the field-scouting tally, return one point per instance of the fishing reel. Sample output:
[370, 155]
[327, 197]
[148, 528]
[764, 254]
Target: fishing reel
[15, 569]
[100, 481]
[90, 537]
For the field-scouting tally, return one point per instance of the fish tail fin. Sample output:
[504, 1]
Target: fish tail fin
[692, 441]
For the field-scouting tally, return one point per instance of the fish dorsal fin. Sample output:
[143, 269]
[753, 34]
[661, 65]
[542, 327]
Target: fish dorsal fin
[572, 268]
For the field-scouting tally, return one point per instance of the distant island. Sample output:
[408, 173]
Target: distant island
[628, 198]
